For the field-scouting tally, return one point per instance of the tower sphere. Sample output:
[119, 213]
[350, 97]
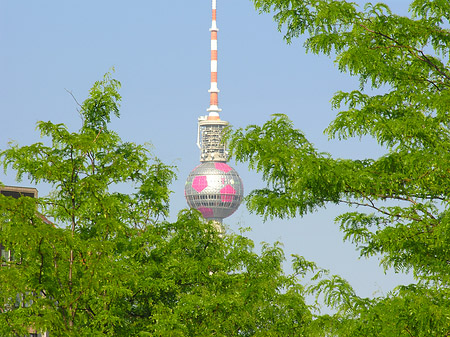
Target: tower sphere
[215, 189]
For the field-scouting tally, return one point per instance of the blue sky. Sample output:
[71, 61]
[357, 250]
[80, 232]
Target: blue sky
[160, 51]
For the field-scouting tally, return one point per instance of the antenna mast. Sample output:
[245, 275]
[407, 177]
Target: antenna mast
[210, 127]
[214, 90]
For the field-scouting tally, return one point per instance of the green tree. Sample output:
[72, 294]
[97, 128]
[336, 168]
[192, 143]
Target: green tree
[402, 198]
[68, 277]
[111, 265]
[197, 282]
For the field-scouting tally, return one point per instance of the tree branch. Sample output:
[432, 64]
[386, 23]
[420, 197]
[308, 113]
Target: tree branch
[73, 96]
[42, 261]
[409, 332]
[413, 51]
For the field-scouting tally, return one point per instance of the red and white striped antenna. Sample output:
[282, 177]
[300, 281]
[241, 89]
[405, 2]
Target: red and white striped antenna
[214, 90]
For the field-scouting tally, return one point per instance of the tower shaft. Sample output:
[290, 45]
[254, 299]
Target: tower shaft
[214, 188]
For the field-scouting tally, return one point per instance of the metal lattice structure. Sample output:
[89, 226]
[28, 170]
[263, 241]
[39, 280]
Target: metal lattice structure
[210, 140]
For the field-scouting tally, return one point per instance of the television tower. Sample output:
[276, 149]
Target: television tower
[213, 187]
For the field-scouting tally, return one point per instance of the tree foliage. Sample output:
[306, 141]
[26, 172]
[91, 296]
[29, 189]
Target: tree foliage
[110, 264]
[402, 197]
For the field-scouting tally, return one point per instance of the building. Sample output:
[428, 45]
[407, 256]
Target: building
[15, 192]
[214, 188]
[5, 254]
